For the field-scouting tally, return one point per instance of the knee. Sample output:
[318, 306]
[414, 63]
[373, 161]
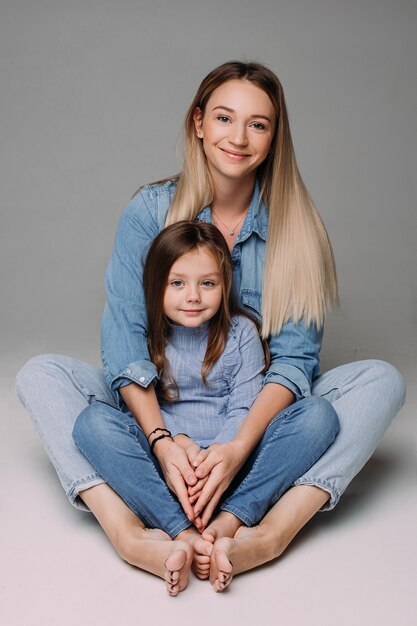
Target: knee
[320, 418]
[34, 374]
[392, 380]
[91, 424]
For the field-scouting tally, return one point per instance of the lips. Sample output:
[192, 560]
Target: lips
[235, 155]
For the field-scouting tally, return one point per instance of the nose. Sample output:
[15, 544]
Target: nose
[238, 136]
[193, 294]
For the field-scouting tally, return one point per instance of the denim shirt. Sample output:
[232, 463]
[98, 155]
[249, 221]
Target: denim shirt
[294, 350]
[212, 411]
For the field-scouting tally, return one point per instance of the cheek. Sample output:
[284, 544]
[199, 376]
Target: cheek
[263, 146]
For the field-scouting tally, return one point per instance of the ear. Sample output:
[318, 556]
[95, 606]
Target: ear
[198, 122]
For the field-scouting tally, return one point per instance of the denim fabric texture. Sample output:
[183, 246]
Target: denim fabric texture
[55, 389]
[118, 449]
[212, 412]
[125, 357]
[366, 396]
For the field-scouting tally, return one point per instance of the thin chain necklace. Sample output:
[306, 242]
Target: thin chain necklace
[231, 231]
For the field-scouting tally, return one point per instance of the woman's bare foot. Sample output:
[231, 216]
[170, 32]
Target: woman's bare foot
[154, 551]
[177, 568]
[249, 548]
[148, 549]
[221, 568]
[201, 551]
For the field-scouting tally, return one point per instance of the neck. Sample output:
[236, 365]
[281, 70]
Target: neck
[232, 197]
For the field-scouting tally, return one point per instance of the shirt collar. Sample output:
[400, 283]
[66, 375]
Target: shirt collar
[256, 220]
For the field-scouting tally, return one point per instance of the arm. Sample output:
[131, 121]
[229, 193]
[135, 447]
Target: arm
[295, 357]
[124, 347]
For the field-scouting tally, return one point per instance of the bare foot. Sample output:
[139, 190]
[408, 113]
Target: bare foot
[177, 569]
[154, 551]
[224, 525]
[249, 548]
[201, 551]
[221, 568]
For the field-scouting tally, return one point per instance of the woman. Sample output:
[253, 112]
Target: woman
[239, 173]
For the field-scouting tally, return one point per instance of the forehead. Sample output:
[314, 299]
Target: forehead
[241, 95]
[200, 260]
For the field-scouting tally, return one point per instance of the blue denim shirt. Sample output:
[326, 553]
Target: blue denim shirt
[294, 351]
[212, 412]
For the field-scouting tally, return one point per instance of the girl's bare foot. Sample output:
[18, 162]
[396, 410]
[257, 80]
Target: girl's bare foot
[224, 525]
[201, 551]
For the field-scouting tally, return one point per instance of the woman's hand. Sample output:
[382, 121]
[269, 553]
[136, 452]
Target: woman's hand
[179, 474]
[217, 465]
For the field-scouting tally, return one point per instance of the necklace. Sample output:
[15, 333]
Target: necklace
[231, 231]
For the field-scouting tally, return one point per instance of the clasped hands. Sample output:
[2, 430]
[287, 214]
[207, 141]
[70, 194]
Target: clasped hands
[199, 477]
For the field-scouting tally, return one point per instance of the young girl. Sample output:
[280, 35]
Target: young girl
[210, 362]
[239, 173]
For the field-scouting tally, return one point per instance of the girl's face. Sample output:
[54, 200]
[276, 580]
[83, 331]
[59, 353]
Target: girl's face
[237, 129]
[194, 289]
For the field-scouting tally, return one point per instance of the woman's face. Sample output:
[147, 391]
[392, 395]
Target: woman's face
[236, 129]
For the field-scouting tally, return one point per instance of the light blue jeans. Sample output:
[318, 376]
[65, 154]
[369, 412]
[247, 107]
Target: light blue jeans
[366, 396]
[117, 447]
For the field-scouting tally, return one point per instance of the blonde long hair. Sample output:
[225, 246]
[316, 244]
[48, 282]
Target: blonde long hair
[299, 280]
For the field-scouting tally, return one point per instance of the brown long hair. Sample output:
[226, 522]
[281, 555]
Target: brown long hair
[299, 279]
[172, 243]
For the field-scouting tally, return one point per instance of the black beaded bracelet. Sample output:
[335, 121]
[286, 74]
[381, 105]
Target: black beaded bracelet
[158, 438]
[156, 430]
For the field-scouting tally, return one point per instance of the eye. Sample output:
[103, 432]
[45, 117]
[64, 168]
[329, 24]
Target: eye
[258, 126]
[208, 283]
[223, 118]
[176, 283]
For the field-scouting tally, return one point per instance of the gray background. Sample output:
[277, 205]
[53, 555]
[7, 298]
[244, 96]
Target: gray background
[93, 95]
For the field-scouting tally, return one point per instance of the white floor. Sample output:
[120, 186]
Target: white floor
[354, 566]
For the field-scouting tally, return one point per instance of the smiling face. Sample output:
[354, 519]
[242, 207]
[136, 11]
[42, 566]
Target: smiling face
[194, 289]
[236, 128]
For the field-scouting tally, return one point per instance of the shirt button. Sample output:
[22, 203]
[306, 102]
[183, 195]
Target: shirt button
[142, 379]
[128, 371]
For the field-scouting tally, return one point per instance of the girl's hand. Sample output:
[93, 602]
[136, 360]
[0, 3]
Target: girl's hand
[179, 474]
[219, 464]
[191, 448]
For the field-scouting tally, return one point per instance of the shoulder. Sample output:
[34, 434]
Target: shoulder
[243, 330]
[151, 203]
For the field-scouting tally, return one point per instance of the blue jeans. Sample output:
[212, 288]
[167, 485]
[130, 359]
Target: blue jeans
[116, 446]
[366, 396]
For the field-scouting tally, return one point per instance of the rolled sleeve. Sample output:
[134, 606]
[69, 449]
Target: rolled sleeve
[141, 372]
[295, 357]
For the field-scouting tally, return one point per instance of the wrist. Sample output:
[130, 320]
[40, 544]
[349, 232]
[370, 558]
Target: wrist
[182, 440]
[161, 447]
[158, 435]
[241, 447]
